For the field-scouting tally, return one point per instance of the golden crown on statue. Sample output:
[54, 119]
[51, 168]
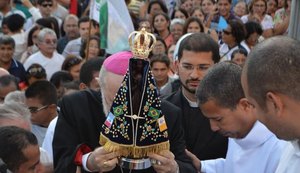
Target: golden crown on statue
[141, 43]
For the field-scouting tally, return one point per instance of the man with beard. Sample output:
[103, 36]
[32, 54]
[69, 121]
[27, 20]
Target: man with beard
[196, 54]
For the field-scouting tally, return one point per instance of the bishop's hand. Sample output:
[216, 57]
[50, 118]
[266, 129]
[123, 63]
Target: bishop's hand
[101, 160]
[164, 162]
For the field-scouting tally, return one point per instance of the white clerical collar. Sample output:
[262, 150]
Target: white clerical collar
[191, 103]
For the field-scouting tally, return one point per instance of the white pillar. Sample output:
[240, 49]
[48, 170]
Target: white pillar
[294, 26]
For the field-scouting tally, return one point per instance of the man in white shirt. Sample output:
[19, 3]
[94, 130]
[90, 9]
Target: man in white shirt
[271, 83]
[47, 55]
[252, 147]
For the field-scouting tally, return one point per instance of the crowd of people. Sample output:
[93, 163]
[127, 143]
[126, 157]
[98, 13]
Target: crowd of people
[225, 71]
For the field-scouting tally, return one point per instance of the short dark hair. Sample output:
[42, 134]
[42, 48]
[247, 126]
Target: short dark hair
[160, 58]
[88, 68]
[4, 39]
[6, 80]
[241, 51]
[160, 3]
[42, 90]
[238, 30]
[222, 83]
[190, 20]
[274, 65]
[61, 77]
[70, 61]
[200, 42]
[13, 141]
[15, 22]
[84, 19]
[253, 27]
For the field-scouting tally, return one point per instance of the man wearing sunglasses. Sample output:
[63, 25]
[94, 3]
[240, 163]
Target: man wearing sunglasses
[46, 9]
[41, 100]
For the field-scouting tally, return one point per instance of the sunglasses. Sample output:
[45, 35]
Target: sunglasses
[226, 32]
[36, 109]
[47, 5]
[37, 72]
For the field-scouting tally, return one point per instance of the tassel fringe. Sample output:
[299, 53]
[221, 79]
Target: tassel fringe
[131, 150]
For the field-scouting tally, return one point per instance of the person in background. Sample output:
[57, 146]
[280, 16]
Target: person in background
[223, 10]
[51, 23]
[73, 46]
[253, 35]
[209, 8]
[89, 73]
[145, 23]
[161, 23]
[172, 72]
[176, 29]
[34, 73]
[41, 100]
[154, 7]
[13, 112]
[240, 8]
[221, 98]
[46, 8]
[59, 79]
[232, 37]
[282, 19]
[72, 64]
[196, 54]
[15, 24]
[47, 55]
[14, 67]
[258, 13]
[198, 12]
[160, 67]
[90, 48]
[239, 56]
[274, 94]
[180, 13]
[160, 47]
[272, 7]
[8, 83]
[187, 5]
[70, 27]
[6, 9]
[193, 25]
[19, 149]
[31, 43]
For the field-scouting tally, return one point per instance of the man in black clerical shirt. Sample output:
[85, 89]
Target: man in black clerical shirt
[196, 54]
